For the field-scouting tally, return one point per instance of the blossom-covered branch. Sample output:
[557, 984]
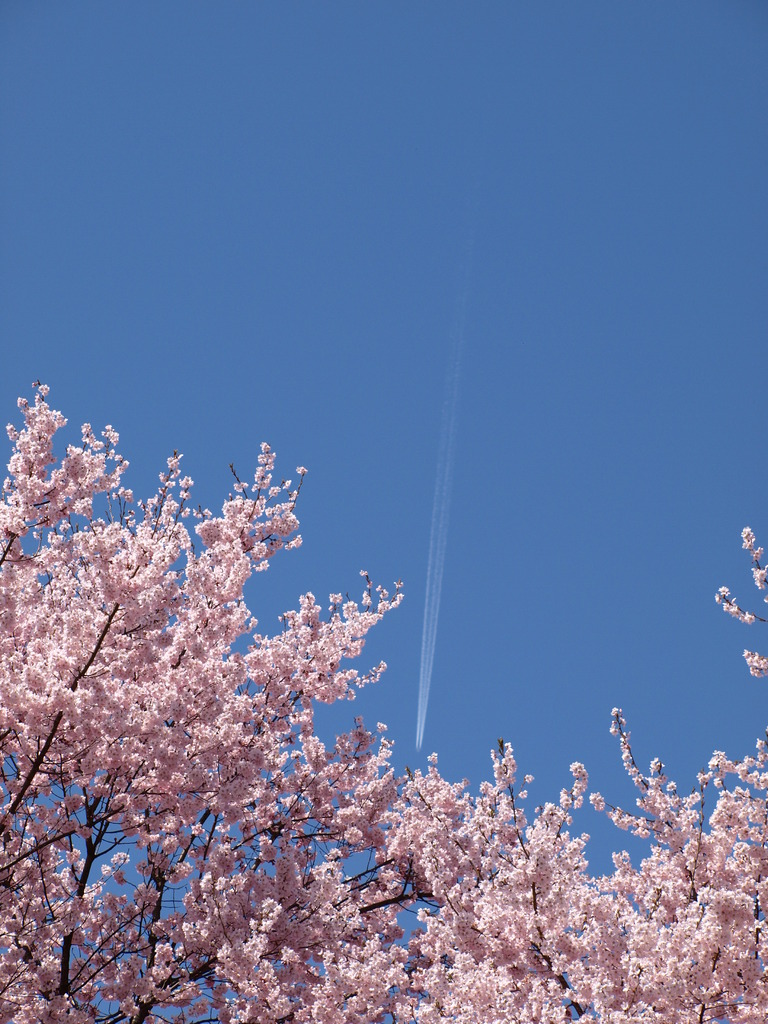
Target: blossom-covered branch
[758, 664]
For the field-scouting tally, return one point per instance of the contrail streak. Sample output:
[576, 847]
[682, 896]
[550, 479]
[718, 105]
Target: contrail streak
[438, 537]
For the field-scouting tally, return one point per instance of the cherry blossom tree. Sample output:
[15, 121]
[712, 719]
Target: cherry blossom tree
[177, 844]
[524, 934]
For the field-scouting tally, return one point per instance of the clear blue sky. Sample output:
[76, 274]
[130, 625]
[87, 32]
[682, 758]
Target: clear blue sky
[234, 222]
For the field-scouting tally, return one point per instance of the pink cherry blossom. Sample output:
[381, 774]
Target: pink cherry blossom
[178, 844]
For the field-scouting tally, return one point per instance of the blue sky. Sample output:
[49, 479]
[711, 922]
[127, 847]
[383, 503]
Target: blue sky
[227, 223]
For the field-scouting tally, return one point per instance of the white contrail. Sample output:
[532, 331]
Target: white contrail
[438, 536]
